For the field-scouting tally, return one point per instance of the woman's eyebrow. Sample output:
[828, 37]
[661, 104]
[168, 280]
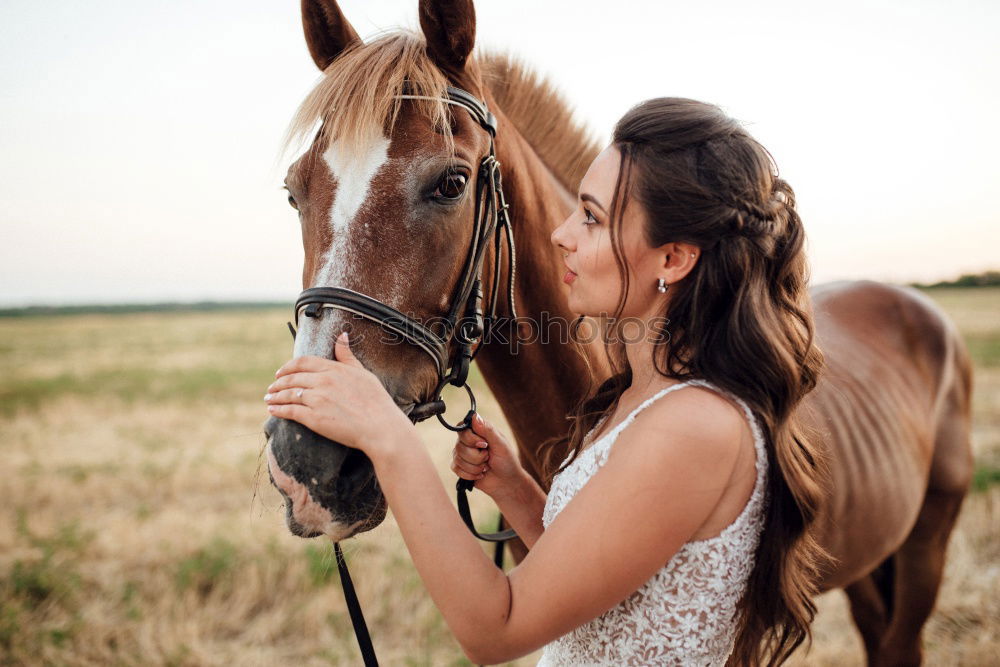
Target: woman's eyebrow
[588, 197]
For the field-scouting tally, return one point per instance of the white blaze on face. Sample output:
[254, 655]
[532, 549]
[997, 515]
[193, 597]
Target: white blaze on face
[352, 171]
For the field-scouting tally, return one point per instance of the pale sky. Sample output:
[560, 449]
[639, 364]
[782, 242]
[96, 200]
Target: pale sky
[139, 141]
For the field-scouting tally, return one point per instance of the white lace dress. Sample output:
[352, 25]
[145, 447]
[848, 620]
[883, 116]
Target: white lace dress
[685, 614]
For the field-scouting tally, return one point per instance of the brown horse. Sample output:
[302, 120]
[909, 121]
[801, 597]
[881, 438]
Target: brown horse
[383, 197]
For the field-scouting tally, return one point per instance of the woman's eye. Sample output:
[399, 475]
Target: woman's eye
[589, 218]
[451, 186]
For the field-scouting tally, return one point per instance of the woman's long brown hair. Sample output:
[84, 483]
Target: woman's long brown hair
[741, 319]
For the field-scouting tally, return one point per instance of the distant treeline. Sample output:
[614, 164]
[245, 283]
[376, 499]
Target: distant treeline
[117, 309]
[984, 279]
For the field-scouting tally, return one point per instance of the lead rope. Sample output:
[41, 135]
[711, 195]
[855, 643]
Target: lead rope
[354, 609]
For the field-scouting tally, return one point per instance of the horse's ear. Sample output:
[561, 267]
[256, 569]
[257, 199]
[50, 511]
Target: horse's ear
[450, 29]
[328, 33]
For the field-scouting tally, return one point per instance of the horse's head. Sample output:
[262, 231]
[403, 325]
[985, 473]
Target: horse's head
[386, 197]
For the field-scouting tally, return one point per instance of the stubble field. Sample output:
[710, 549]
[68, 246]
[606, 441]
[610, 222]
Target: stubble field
[138, 526]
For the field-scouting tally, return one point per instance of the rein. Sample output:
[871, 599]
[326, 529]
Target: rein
[465, 325]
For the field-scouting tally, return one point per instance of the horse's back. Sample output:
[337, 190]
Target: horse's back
[893, 405]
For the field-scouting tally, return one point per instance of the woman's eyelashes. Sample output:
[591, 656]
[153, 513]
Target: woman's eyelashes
[588, 217]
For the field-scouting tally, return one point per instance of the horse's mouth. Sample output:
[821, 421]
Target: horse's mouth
[296, 528]
[334, 530]
[306, 517]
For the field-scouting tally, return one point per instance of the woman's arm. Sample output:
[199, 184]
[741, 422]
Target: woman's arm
[472, 594]
[651, 496]
[522, 504]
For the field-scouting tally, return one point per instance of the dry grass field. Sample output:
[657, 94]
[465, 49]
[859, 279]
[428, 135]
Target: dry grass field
[137, 526]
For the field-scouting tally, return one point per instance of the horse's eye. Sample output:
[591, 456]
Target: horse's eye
[451, 186]
[291, 202]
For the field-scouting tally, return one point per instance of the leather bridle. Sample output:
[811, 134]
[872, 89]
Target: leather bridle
[465, 325]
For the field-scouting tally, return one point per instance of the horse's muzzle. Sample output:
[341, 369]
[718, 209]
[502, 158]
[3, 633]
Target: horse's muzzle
[329, 489]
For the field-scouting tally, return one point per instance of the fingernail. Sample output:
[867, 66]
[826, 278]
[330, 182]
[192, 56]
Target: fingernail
[482, 445]
[267, 397]
[272, 408]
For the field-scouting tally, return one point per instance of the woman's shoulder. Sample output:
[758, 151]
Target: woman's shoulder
[694, 415]
[697, 400]
[717, 399]
[704, 432]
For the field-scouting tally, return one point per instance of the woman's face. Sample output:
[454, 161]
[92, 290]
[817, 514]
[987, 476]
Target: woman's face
[585, 241]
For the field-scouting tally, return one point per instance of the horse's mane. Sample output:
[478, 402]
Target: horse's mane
[357, 97]
[542, 116]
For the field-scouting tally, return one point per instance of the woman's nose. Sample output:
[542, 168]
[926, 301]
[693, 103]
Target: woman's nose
[558, 238]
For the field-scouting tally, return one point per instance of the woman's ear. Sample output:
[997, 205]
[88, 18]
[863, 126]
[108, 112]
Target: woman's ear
[678, 260]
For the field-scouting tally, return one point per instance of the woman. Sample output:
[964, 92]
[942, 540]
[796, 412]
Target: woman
[677, 530]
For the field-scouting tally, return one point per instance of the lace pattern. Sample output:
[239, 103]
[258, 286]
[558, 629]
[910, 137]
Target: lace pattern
[686, 613]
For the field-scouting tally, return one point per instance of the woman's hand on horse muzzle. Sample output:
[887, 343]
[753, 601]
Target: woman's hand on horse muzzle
[338, 399]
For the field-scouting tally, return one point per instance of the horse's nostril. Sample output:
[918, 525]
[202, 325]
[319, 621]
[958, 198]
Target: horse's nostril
[269, 426]
[355, 472]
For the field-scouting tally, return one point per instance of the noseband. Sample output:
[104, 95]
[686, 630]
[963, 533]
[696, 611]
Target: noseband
[465, 322]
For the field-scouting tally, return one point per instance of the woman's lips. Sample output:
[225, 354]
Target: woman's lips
[569, 277]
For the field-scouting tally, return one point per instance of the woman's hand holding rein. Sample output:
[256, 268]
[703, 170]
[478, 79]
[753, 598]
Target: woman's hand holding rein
[483, 455]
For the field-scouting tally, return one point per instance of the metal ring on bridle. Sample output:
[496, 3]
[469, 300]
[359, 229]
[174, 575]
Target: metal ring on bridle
[467, 421]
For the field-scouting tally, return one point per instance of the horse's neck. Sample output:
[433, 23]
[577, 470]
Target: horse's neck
[536, 383]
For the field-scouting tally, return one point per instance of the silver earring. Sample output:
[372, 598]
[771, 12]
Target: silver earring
[661, 285]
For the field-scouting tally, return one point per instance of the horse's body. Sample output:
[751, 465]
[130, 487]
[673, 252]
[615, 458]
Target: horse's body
[892, 406]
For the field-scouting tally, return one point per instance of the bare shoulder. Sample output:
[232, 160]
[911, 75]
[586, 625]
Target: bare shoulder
[692, 416]
[693, 423]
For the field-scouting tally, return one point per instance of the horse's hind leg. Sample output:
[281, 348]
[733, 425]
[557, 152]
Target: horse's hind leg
[871, 606]
[919, 564]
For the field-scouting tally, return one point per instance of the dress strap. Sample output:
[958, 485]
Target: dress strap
[605, 442]
[613, 433]
[649, 401]
[758, 437]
